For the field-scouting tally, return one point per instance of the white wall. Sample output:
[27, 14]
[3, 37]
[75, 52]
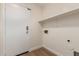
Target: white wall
[60, 30]
[53, 9]
[56, 29]
[36, 15]
[35, 26]
[0, 29]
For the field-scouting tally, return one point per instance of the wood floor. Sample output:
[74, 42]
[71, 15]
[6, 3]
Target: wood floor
[39, 52]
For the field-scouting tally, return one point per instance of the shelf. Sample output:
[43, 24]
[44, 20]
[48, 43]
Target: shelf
[60, 15]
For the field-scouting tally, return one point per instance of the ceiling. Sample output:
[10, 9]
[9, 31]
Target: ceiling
[41, 4]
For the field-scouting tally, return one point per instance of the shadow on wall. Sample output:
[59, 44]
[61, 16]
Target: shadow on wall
[68, 20]
[61, 29]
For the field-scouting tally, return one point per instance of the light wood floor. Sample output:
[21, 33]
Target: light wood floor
[39, 52]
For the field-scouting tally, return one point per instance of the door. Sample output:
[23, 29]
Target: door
[17, 38]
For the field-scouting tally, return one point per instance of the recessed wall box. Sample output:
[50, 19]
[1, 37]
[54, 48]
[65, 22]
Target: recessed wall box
[46, 31]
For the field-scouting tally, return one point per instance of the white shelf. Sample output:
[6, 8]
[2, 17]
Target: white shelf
[60, 15]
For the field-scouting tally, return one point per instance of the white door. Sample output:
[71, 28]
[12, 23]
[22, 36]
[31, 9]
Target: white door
[17, 38]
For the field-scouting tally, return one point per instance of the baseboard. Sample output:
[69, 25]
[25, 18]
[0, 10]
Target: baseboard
[53, 51]
[34, 48]
[22, 53]
[31, 49]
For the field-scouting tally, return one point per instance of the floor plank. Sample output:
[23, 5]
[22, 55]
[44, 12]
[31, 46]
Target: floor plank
[39, 52]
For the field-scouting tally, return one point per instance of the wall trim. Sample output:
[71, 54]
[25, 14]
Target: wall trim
[53, 51]
[34, 48]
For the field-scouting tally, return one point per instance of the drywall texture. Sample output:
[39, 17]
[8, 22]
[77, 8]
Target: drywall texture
[0, 29]
[60, 30]
[35, 38]
[53, 9]
[36, 15]
[1, 37]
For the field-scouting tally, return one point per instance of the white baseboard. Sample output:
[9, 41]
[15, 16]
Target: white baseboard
[34, 48]
[37, 47]
[53, 51]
